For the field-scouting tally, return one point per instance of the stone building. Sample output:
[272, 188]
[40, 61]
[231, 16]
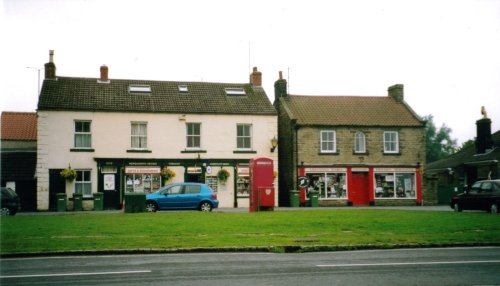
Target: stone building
[353, 150]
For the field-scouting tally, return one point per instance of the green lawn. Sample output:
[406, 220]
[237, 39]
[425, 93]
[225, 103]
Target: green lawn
[344, 228]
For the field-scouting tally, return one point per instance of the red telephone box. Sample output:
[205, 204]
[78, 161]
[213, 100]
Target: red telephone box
[261, 184]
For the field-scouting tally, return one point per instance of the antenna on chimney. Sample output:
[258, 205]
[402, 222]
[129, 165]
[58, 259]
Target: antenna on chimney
[249, 53]
[288, 81]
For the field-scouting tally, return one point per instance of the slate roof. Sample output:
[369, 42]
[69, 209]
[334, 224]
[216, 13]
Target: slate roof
[350, 111]
[467, 156]
[87, 94]
[19, 126]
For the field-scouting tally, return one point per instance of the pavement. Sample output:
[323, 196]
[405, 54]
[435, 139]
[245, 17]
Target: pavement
[243, 210]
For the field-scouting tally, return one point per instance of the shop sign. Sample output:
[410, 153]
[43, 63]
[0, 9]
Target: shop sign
[360, 169]
[142, 163]
[208, 170]
[243, 170]
[142, 170]
[303, 182]
[194, 170]
[325, 170]
[394, 169]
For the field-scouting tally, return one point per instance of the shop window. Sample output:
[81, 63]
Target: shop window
[328, 144]
[211, 181]
[329, 185]
[193, 132]
[242, 186]
[395, 185]
[139, 135]
[244, 136]
[359, 143]
[83, 183]
[391, 143]
[83, 136]
[142, 183]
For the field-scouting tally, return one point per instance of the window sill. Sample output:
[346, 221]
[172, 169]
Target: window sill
[82, 150]
[193, 151]
[366, 153]
[329, 153]
[244, 152]
[139, 151]
[391, 154]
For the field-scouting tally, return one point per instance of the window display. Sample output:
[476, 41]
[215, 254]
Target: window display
[329, 185]
[142, 183]
[395, 185]
[211, 181]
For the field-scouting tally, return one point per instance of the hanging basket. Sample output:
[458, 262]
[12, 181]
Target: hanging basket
[68, 174]
[167, 174]
[222, 176]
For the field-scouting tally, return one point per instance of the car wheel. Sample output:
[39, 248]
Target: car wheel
[457, 207]
[151, 207]
[205, 207]
[494, 209]
[5, 211]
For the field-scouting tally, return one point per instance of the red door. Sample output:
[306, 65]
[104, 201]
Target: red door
[359, 194]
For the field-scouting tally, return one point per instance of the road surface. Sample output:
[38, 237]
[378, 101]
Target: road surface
[434, 266]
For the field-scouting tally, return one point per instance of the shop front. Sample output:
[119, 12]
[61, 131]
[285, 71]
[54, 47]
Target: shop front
[362, 186]
[117, 176]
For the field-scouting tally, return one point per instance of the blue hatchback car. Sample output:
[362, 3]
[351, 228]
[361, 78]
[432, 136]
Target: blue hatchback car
[182, 196]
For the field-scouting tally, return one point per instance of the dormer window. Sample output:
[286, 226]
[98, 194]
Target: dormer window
[183, 88]
[234, 91]
[139, 88]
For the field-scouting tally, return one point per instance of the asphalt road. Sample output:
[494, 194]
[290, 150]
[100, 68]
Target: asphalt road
[438, 266]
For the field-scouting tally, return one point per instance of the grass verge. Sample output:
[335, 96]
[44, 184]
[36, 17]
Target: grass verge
[276, 231]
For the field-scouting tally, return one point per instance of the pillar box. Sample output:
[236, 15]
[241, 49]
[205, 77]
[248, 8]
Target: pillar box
[261, 184]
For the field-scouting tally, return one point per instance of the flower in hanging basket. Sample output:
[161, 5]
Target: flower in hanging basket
[167, 173]
[69, 174]
[222, 176]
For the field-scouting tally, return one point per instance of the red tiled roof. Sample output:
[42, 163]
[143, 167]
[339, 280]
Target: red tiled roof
[350, 111]
[18, 125]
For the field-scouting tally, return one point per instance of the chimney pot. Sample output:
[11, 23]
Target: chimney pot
[104, 73]
[397, 92]
[51, 56]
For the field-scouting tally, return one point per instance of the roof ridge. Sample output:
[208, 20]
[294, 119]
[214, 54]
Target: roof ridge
[154, 80]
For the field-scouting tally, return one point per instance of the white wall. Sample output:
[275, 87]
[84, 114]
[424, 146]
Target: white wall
[166, 139]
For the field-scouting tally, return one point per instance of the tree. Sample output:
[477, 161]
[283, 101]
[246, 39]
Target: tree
[438, 142]
[467, 144]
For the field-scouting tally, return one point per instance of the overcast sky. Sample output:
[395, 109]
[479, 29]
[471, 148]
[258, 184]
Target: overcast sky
[446, 53]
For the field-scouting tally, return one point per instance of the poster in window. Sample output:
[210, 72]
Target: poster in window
[109, 182]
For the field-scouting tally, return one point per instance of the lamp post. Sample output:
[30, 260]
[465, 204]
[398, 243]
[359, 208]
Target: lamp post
[38, 70]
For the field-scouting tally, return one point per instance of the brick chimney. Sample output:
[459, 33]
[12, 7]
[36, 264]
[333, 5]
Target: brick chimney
[397, 92]
[280, 87]
[50, 67]
[104, 74]
[484, 141]
[256, 77]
